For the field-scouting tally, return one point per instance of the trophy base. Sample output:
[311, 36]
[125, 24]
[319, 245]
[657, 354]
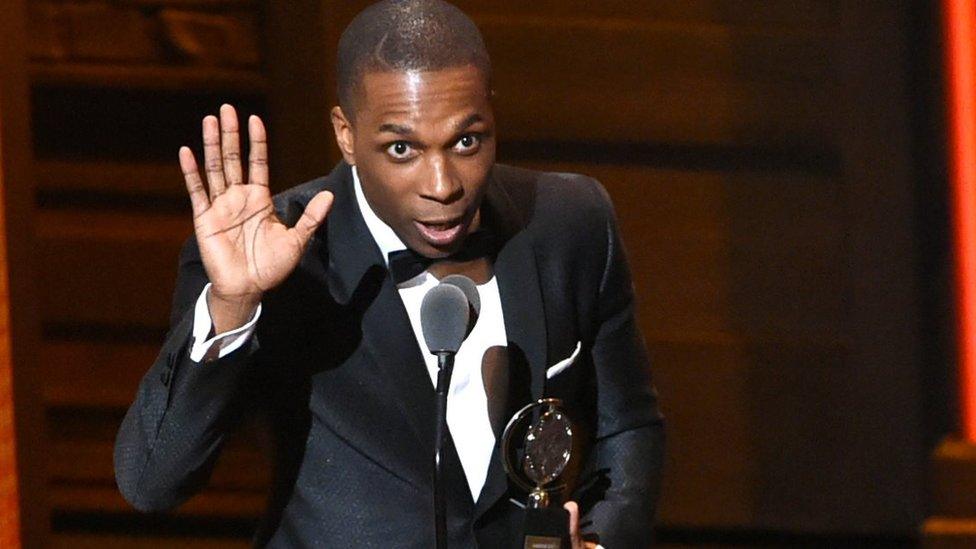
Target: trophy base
[546, 528]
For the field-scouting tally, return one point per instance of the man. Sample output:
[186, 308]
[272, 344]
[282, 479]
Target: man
[316, 314]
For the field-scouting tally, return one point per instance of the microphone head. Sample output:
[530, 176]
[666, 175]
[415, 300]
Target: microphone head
[469, 288]
[444, 318]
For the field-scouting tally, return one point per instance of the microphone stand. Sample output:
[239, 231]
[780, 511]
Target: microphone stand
[445, 366]
[445, 316]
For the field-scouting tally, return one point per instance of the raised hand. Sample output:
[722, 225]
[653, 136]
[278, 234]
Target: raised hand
[246, 249]
[576, 540]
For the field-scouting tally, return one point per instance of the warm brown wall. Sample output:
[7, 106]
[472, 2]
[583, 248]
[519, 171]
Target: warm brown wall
[758, 154]
[23, 513]
[117, 87]
[759, 157]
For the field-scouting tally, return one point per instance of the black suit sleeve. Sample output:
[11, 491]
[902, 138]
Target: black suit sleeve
[622, 476]
[173, 432]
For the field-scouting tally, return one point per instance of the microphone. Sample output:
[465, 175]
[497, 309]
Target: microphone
[446, 315]
[470, 290]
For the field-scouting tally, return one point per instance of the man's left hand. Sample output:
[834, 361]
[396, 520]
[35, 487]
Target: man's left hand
[576, 540]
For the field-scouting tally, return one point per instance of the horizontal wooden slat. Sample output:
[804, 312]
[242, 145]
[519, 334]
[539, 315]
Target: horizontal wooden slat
[151, 77]
[949, 532]
[108, 268]
[798, 13]
[681, 109]
[737, 12]
[80, 30]
[820, 159]
[952, 475]
[140, 228]
[635, 52]
[111, 177]
[115, 124]
[623, 86]
[93, 374]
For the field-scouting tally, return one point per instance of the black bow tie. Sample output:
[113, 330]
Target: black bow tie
[406, 264]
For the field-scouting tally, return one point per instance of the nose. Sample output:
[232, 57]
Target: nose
[441, 183]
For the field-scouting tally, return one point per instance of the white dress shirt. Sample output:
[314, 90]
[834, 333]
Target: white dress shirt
[467, 404]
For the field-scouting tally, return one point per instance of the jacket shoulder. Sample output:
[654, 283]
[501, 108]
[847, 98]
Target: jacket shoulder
[290, 203]
[560, 195]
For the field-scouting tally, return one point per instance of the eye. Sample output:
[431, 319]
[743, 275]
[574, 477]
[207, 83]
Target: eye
[468, 144]
[401, 150]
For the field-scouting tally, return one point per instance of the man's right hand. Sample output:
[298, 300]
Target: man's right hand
[246, 249]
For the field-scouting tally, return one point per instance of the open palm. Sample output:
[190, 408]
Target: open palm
[246, 250]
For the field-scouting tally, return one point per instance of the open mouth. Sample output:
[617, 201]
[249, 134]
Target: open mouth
[440, 234]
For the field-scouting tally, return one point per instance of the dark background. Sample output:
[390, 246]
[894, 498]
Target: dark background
[777, 167]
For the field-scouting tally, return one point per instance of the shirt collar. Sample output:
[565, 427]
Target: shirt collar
[382, 234]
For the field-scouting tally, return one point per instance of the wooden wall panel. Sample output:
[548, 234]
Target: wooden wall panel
[75, 372]
[11, 530]
[160, 181]
[109, 269]
[23, 507]
[738, 13]
[658, 83]
[713, 471]
[110, 110]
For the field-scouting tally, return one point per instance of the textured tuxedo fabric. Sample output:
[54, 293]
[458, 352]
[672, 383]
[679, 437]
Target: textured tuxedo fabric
[335, 370]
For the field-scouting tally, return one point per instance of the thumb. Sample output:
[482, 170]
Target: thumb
[574, 534]
[314, 215]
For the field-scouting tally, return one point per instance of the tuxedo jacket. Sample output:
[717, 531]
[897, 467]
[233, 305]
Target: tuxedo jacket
[335, 371]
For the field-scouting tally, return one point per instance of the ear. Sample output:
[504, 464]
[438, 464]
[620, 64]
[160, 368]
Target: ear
[345, 135]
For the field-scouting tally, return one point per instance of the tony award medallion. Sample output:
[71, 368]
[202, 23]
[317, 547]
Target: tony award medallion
[536, 446]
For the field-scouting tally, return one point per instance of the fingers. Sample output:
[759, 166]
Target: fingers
[574, 534]
[212, 161]
[230, 145]
[313, 216]
[258, 159]
[194, 185]
[222, 158]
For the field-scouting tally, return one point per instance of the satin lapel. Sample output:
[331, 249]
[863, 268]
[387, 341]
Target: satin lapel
[523, 308]
[525, 327]
[351, 251]
[507, 210]
[393, 387]
[390, 343]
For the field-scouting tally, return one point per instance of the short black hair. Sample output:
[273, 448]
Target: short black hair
[406, 35]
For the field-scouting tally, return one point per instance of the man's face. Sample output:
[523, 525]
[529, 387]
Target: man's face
[423, 144]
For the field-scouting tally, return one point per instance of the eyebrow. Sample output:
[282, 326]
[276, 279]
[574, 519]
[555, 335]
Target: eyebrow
[397, 129]
[468, 122]
[400, 129]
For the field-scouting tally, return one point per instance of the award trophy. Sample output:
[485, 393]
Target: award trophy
[536, 446]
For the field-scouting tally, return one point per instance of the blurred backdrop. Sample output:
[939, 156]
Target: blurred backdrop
[777, 167]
